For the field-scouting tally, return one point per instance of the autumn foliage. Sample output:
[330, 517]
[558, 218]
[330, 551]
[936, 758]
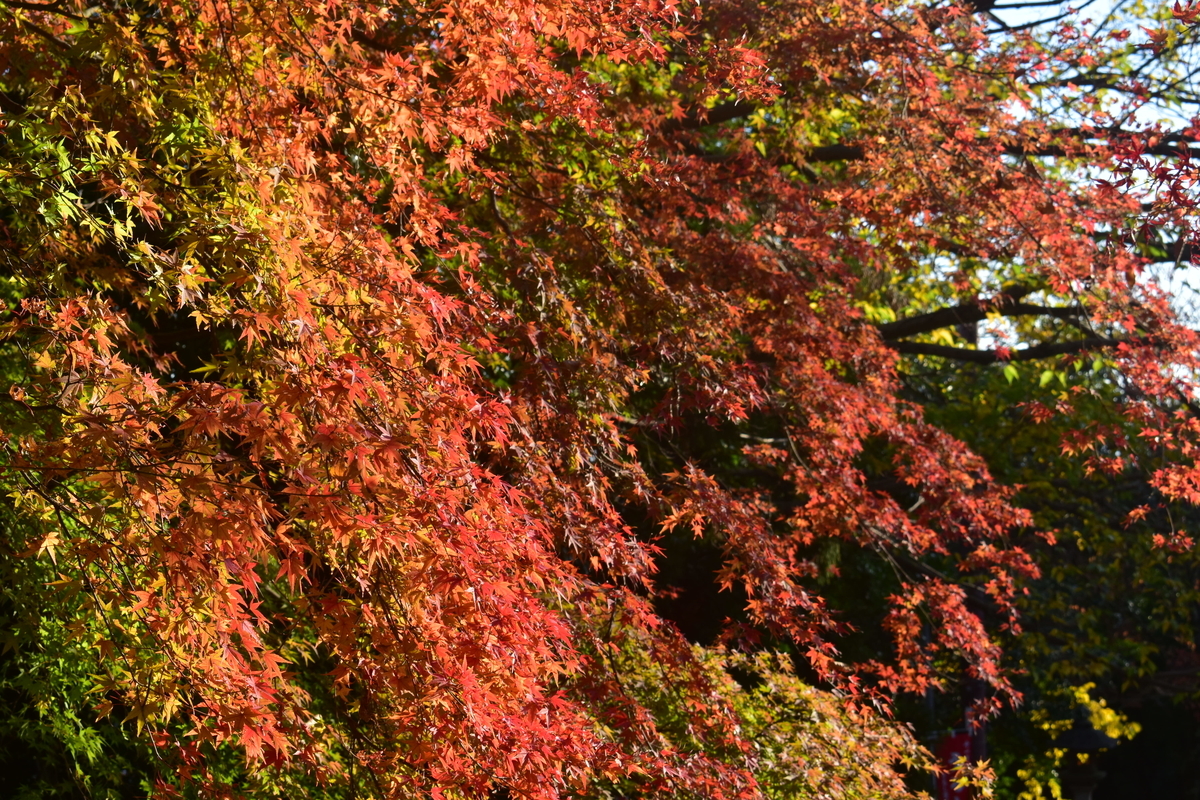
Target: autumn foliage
[371, 365]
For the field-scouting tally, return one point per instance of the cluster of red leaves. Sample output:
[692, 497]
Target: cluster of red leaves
[344, 477]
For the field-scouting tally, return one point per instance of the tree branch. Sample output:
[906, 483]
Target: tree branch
[1005, 305]
[835, 152]
[9, 105]
[993, 357]
[1176, 251]
[737, 109]
[55, 7]
[723, 112]
[1167, 149]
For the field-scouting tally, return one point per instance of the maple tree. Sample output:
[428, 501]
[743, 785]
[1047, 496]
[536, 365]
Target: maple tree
[374, 367]
[1110, 616]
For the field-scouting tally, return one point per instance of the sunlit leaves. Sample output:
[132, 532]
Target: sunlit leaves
[371, 362]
